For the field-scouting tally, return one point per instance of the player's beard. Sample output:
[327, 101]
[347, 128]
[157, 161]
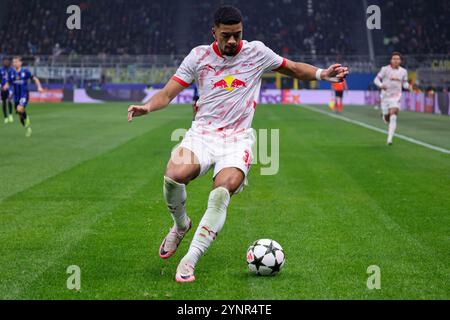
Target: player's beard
[230, 51]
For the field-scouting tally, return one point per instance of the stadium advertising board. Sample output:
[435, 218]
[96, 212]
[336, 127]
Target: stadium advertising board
[418, 102]
[55, 95]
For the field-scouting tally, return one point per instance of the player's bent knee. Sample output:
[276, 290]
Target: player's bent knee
[181, 174]
[232, 184]
[176, 176]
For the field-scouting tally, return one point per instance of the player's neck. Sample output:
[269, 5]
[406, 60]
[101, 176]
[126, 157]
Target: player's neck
[219, 52]
[394, 67]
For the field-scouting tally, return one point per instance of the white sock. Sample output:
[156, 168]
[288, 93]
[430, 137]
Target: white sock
[175, 195]
[210, 225]
[392, 127]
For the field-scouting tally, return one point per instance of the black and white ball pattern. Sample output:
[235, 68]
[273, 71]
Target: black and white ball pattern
[265, 257]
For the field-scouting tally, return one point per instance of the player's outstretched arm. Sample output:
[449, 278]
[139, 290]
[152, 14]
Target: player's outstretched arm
[377, 80]
[38, 84]
[304, 71]
[159, 101]
[405, 83]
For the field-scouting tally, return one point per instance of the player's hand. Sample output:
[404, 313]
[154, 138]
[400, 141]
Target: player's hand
[40, 89]
[335, 73]
[383, 87]
[136, 111]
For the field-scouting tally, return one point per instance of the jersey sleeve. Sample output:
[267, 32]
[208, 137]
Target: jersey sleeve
[185, 74]
[381, 73]
[405, 82]
[11, 77]
[378, 79]
[271, 61]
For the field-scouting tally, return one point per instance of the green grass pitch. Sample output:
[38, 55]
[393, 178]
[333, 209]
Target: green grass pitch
[86, 190]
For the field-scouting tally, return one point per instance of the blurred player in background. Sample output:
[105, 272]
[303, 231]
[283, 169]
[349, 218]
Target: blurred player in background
[6, 90]
[391, 79]
[19, 80]
[228, 75]
[338, 89]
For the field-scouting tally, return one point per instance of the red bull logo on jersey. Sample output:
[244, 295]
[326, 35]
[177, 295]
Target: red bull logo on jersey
[229, 83]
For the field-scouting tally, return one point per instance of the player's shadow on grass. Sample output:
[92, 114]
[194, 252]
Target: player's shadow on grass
[246, 275]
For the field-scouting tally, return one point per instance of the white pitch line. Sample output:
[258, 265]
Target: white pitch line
[368, 126]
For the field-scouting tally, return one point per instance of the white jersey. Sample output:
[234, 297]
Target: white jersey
[228, 85]
[394, 80]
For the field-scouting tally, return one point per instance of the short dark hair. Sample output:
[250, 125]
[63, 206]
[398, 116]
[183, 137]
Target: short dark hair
[227, 15]
[396, 53]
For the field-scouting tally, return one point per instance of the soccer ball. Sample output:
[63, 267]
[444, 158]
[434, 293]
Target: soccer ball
[265, 257]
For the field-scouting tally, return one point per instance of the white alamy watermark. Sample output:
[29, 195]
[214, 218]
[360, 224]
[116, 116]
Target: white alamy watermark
[374, 19]
[73, 22]
[374, 280]
[270, 162]
[74, 280]
[263, 148]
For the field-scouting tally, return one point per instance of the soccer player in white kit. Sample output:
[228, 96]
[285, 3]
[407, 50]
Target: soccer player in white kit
[391, 79]
[228, 75]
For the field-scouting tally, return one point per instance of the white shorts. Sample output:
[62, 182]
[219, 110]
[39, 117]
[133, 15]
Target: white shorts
[387, 104]
[220, 149]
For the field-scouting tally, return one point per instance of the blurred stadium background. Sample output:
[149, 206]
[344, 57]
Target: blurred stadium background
[126, 47]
